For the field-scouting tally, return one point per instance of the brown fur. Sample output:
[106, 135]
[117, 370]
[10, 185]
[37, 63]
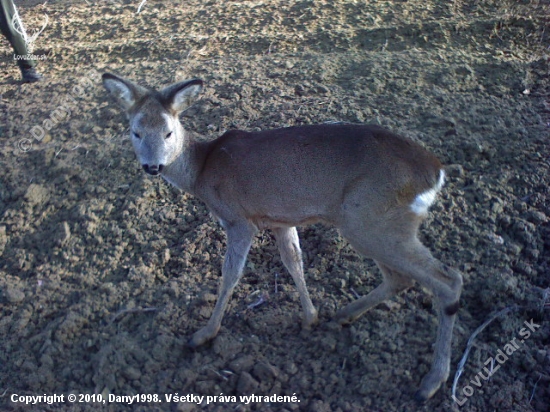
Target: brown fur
[361, 178]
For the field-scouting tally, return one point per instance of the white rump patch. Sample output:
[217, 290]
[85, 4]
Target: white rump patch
[424, 200]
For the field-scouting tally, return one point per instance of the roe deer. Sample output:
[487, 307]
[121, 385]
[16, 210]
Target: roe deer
[373, 185]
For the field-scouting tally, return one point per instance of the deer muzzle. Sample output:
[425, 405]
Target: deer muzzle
[153, 169]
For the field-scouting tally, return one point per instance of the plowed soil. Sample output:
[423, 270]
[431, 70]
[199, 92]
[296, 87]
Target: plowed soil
[106, 272]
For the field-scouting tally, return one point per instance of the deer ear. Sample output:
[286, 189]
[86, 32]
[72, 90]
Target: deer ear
[125, 92]
[180, 96]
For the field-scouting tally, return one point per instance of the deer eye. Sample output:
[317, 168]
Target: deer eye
[168, 135]
[137, 136]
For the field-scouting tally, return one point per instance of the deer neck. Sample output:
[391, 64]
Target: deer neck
[182, 172]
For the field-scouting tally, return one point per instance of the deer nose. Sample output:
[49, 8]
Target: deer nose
[153, 169]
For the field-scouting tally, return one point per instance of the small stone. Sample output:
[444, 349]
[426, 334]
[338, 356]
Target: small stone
[454, 170]
[291, 368]
[332, 326]
[320, 406]
[264, 371]
[321, 89]
[536, 217]
[496, 239]
[247, 384]
[299, 90]
[208, 297]
[328, 343]
[497, 207]
[541, 355]
[36, 194]
[391, 346]
[3, 239]
[131, 373]
[226, 346]
[185, 407]
[105, 392]
[14, 295]
[166, 256]
[62, 234]
[46, 361]
[520, 205]
[242, 364]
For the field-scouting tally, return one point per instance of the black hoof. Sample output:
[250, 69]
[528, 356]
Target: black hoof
[419, 398]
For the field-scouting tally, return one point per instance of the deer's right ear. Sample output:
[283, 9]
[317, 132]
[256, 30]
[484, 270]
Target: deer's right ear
[124, 91]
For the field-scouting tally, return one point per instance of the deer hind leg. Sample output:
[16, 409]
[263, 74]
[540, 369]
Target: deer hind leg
[447, 298]
[392, 284]
[445, 284]
[395, 247]
[291, 255]
[239, 240]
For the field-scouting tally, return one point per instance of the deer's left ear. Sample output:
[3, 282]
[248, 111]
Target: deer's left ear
[181, 95]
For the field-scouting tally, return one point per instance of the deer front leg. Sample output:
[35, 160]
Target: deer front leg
[291, 255]
[239, 240]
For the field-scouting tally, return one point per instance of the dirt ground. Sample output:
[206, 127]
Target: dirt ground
[106, 272]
